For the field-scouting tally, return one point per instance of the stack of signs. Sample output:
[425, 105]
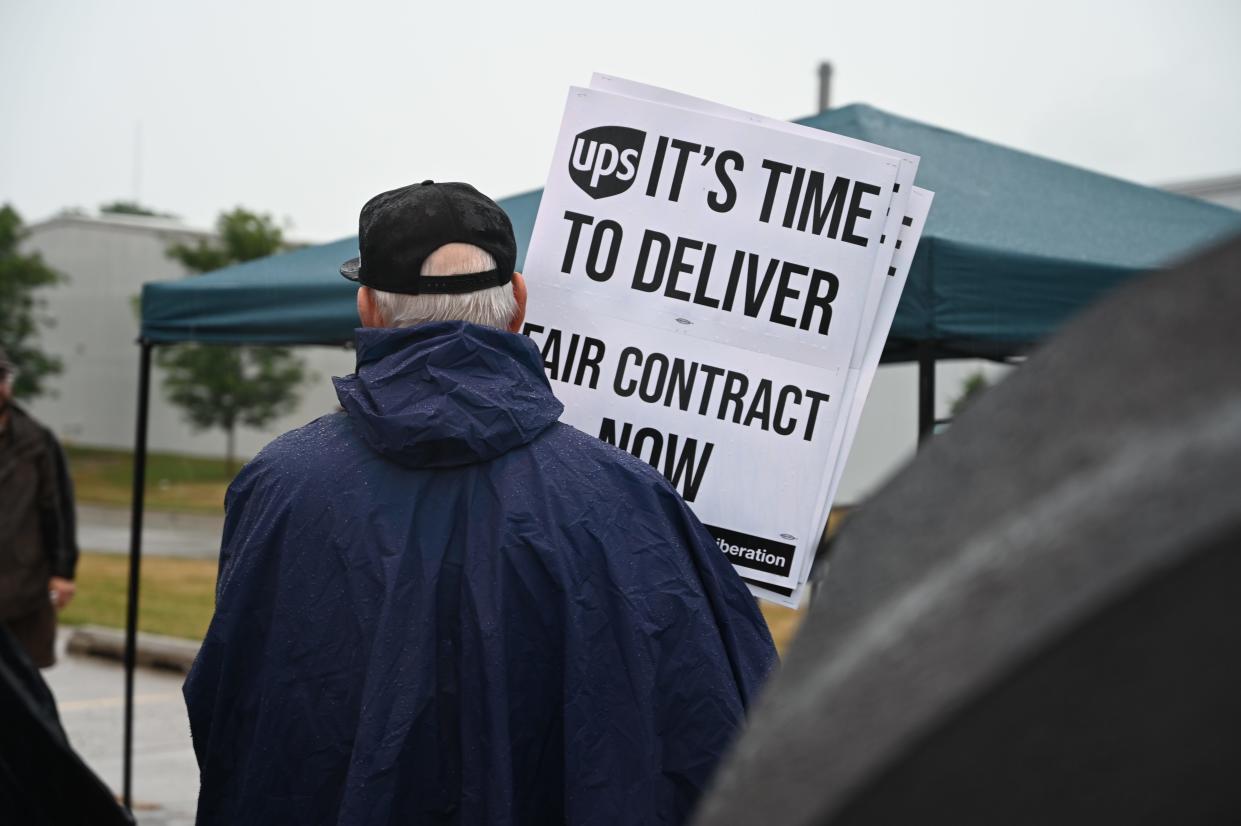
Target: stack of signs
[711, 291]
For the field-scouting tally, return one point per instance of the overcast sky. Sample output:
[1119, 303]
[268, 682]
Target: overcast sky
[305, 109]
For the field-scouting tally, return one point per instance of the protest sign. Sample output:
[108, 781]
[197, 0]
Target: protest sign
[857, 385]
[707, 289]
[904, 225]
[893, 222]
[716, 420]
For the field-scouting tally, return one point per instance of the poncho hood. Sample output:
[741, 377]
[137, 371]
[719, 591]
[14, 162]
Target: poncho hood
[446, 394]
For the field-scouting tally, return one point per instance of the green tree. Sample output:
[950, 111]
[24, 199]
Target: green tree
[222, 386]
[21, 276]
[131, 208]
[971, 388]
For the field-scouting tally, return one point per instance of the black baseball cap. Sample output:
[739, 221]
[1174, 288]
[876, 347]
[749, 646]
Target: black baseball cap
[397, 230]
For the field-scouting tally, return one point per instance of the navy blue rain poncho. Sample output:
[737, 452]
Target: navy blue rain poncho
[443, 606]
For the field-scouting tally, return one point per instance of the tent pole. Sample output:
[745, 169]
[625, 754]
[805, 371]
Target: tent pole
[135, 558]
[926, 392]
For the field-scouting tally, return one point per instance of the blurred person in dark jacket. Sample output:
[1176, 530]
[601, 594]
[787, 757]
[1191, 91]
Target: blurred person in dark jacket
[38, 545]
[442, 605]
[42, 779]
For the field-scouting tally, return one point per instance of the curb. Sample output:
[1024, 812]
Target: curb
[153, 650]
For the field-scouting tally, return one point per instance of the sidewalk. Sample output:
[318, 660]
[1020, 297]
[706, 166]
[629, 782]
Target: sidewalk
[90, 695]
[106, 529]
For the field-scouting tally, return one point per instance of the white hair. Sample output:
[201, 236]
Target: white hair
[491, 307]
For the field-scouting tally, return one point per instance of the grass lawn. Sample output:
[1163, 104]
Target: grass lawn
[178, 596]
[783, 623]
[178, 483]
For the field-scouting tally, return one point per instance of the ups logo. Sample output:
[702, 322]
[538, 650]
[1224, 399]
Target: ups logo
[604, 160]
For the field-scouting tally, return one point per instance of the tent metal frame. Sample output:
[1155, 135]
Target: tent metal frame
[926, 392]
[135, 562]
[1085, 265]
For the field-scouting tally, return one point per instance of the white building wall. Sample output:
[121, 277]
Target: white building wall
[887, 436]
[107, 261]
[96, 326]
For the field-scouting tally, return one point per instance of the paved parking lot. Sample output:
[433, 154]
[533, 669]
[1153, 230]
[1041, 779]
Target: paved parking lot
[90, 695]
[106, 529]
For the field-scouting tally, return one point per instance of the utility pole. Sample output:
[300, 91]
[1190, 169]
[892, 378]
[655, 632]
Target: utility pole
[825, 86]
[137, 170]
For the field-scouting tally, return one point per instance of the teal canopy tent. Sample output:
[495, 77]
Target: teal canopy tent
[295, 297]
[1015, 245]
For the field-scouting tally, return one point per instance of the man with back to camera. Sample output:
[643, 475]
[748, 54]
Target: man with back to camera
[444, 606]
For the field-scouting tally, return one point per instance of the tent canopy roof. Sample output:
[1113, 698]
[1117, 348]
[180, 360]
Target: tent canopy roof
[1015, 245]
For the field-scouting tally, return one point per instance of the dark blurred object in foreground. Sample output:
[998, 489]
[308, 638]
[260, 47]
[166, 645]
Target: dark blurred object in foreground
[42, 780]
[1039, 621]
